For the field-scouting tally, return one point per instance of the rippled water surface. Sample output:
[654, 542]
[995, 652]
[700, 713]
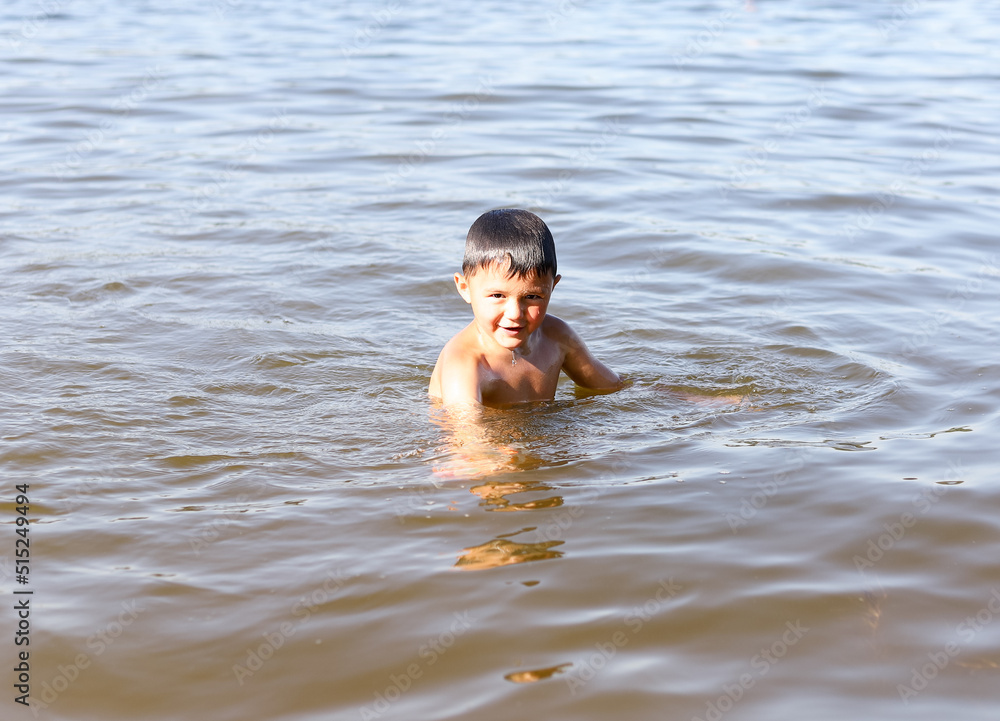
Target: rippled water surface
[227, 233]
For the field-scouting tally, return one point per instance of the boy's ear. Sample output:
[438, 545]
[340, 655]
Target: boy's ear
[463, 287]
[555, 280]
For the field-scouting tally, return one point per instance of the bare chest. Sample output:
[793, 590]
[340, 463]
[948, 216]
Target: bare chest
[530, 378]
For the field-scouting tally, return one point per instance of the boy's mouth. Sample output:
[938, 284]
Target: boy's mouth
[514, 330]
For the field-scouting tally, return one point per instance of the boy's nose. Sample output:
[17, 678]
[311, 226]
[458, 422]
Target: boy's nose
[513, 309]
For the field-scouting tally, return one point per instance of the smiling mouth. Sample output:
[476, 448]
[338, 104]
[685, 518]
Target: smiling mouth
[515, 329]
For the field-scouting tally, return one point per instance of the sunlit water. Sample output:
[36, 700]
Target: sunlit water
[228, 230]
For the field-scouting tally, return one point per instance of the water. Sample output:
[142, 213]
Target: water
[228, 230]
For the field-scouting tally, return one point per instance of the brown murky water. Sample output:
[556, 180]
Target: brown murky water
[226, 237]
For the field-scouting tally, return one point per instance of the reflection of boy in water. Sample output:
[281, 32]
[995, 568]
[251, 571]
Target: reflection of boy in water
[512, 352]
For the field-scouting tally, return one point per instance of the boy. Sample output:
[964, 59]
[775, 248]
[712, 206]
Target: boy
[512, 352]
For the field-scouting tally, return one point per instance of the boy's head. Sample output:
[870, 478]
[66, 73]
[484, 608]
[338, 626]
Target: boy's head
[508, 274]
[511, 239]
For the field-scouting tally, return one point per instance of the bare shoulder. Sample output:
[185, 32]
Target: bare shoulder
[458, 351]
[455, 378]
[556, 328]
[561, 332]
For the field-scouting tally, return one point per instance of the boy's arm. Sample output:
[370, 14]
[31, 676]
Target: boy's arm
[580, 365]
[470, 452]
[459, 377]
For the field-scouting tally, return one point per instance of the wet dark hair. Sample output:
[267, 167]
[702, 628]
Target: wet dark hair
[516, 239]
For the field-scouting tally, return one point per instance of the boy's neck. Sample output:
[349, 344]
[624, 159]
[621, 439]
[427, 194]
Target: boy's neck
[514, 354]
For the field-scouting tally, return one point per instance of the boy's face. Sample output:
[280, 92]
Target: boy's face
[507, 310]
